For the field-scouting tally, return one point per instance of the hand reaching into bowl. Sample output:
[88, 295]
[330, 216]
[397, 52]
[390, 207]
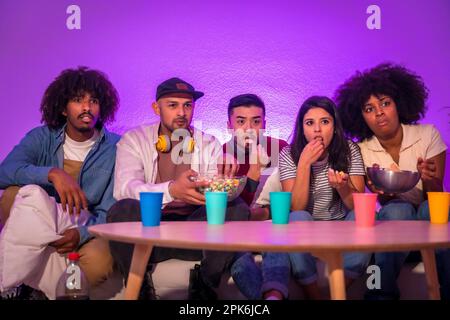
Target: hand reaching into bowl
[184, 188]
[219, 183]
[229, 167]
[426, 168]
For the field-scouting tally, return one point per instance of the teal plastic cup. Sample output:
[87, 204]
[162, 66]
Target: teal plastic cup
[151, 203]
[280, 206]
[216, 207]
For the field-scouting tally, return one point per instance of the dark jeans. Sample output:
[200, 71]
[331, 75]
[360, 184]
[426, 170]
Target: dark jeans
[213, 263]
[391, 263]
[276, 267]
[442, 255]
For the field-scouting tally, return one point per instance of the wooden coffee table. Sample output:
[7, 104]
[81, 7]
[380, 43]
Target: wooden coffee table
[324, 239]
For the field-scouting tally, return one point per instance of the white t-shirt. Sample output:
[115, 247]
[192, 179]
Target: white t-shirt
[419, 140]
[267, 184]
[321, 203]
[77, 151]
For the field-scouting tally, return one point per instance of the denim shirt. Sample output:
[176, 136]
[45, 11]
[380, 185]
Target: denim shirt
[42, 149]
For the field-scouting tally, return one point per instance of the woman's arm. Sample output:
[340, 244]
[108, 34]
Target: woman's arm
[299, 188]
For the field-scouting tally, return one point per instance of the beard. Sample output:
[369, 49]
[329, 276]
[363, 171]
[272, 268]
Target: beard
[85, 129]
[175, 124]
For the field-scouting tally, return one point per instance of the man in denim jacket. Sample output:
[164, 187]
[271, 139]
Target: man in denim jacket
[60, 173]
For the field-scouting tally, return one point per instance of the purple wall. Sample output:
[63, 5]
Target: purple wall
[282, 50]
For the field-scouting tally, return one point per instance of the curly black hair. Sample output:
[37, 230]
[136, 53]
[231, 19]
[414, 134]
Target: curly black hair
[404, 86]
[73, 83]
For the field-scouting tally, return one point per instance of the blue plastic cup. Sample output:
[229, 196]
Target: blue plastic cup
[280, 206]
[216, 207]
[151, 203]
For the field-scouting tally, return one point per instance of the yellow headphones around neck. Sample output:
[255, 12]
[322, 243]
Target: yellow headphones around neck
[164, 144]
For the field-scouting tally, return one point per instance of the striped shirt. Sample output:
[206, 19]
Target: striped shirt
[321, 204]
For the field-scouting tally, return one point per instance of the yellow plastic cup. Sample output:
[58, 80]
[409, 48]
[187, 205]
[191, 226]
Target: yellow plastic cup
[439, 203]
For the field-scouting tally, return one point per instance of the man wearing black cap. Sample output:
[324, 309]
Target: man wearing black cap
[162, 157]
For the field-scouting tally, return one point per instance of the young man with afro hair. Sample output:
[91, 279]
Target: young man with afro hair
[58, 181]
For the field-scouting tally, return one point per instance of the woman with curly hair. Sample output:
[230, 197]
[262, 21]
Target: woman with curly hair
[58, 171]
[380, 108]
[322, 169]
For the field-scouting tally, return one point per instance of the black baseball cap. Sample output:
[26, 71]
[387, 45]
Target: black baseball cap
[176, 85]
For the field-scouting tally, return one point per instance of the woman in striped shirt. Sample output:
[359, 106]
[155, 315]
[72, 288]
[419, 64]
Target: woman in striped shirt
[322, 169]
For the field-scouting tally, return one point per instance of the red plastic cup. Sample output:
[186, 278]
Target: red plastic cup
[365, 204]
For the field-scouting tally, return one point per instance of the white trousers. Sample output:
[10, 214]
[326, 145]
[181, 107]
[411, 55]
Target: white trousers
[25, 256]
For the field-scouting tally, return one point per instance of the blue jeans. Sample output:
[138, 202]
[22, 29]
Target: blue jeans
[253, 281]
[391, 263]
[442, 256]
[275, 268]
[303, 265]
